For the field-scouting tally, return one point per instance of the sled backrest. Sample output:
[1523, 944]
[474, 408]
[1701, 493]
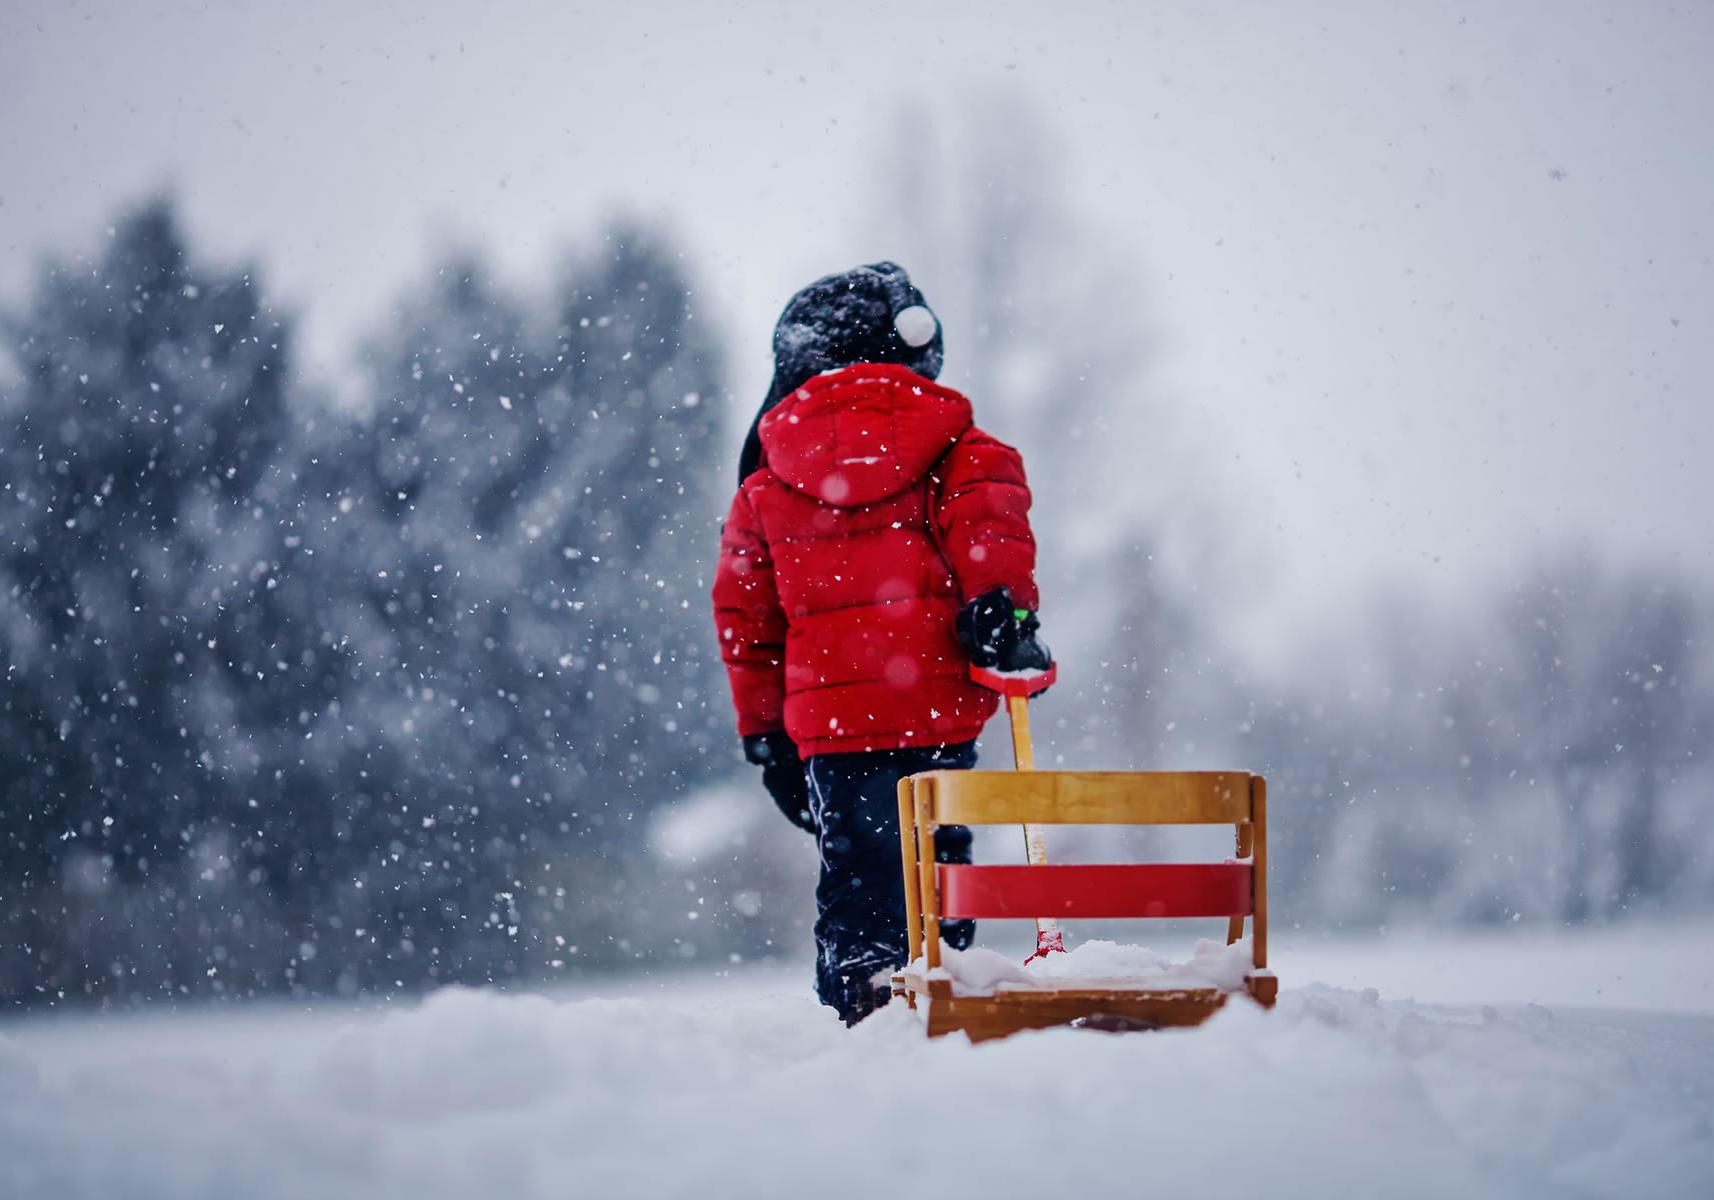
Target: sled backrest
[1088, 797]
[1235, 889]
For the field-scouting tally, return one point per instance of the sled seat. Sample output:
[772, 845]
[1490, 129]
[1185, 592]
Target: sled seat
[1235, 890]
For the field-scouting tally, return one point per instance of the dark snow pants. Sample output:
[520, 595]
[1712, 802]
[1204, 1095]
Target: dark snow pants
[860, 929]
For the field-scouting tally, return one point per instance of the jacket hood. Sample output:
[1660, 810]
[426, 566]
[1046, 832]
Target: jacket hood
[871, 314]
[861, 434]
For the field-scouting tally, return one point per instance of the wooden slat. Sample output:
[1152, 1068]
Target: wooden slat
[1008, 1011]
[1099, 891]
[983, 1017]
[908, 853]
[1090, 797]
[1259, 818]
[929, 886]
[1246, 847]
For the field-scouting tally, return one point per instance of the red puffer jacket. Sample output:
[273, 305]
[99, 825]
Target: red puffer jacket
[879, 509]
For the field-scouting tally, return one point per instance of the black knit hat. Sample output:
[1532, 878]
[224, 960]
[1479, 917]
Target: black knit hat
[872, 314]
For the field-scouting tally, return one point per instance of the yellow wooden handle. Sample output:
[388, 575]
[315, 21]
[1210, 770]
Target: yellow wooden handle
[1023, 755]
[1048, 936]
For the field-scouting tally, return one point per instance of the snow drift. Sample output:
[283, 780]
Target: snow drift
[746, 1087]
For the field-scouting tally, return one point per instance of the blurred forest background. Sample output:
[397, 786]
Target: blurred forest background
[305, 696]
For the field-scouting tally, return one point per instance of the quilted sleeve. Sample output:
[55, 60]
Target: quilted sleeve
[982, 514]
[750, 623]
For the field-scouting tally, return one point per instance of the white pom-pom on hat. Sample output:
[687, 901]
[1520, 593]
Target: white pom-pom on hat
[916, 325]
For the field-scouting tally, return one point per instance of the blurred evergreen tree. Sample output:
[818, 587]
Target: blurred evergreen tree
[304, 699]
[525, 520]
[149, 669]
[647, 489]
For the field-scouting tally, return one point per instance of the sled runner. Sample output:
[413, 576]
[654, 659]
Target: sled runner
[1235, 889]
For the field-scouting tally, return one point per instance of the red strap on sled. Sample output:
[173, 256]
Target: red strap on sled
[1105, 890]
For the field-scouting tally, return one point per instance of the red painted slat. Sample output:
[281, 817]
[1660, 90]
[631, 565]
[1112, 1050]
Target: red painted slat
[1105, 890]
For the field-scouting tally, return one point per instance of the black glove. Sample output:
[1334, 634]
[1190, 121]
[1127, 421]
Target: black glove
[782, 775]
[996, 633]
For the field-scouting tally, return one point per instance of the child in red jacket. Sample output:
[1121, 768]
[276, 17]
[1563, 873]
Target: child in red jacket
[878, 545]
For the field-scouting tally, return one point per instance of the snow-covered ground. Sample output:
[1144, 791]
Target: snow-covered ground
[1527, 1065]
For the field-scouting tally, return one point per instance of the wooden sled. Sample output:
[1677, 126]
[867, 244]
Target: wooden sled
[1235, 889]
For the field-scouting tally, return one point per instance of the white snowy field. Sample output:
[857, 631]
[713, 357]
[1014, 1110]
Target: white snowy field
[1527, 1065]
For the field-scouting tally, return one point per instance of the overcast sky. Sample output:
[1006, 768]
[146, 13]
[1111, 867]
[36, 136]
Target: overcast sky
[1437, 280]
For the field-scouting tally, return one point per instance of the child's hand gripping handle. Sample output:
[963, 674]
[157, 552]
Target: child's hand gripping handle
[1017, 687]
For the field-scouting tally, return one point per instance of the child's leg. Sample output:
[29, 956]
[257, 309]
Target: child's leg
[951, 842]
[860, 927]
[952, 845]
